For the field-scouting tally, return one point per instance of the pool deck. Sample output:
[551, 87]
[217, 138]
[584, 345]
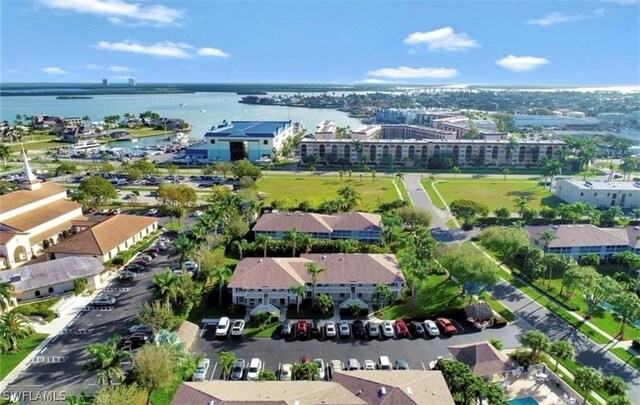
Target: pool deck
[544, 392]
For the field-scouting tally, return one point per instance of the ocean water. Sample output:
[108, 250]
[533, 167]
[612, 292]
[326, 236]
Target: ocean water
[202, 110]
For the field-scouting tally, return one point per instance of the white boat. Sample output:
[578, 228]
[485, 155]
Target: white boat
[84, 146]
[180, 137]
[203, 110]
[134, 139]
[183, 105]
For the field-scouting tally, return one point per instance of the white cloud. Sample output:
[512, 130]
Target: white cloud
[212, 52]
[92, 66]
[442, 39]
[521, 63]
[119, 69]
[559, 18]
[14, 71]
[165, 49]
[404, 72]
[120, 11]
[52, 70]
[622, 2]
[373, 81]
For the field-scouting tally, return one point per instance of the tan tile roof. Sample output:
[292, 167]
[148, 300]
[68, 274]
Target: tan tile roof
[38, 216]
[264, 392]
[401, 386]
[339, 268]
[482, 358]
[51, 232]
[360, 221]
[6, 236]
[581, 235]
[104, 236]
[286, 221]
[20, 198]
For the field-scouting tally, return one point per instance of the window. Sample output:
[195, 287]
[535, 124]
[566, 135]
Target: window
[50, 290]
[265, 142]
[595, 194]
[240, 300]
[398, 153]
[412, 152]
[341, 295]
[213, 142]
[608, 194]
[36, 293]
[321, 151]
[303, 151]
[494, 153]
[467, 153]
[522, 153]
[436, 151]
[372, 153]
[581, 194]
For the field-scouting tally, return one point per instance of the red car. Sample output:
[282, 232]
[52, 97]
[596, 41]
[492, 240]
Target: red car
[302, 328]
[401, 329]
[446, 326]
[141, 262]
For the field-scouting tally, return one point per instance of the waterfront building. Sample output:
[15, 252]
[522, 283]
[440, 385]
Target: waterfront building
[556, 121]
[264, 284]
[132, 82]
[105, 82]
[366, 132]
[34, 217]
[397, 115]
[414, 132]
[430, 152]
[238, 140]
[326, 130]
[602, 194]
[359, 226]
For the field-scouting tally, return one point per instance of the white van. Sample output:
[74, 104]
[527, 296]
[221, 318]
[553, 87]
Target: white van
[384, 363]
[223, 326]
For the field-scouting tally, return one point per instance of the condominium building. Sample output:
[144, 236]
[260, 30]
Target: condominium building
[602, 194]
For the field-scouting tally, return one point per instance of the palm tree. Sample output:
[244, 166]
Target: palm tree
[106, 359]
[399, 176]
[561, 350]
[292, 237]
[185, 247]
[5, 152]
[164, 286]
[506, 172]
[305, 241]
[522, 204]
[226, 360]
[5, 295]
[547, 236]
[299, 291]
[264, 241]
[341, 173]
[220, 274]
[13, 326]
[313, 269]
[240, 245]
[350, 173]
[373, 175]
[456, 171]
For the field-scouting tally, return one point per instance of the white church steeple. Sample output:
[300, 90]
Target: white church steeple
[30, 182]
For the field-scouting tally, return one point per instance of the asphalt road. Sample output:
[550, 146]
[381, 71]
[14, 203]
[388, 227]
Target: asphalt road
[62, 360]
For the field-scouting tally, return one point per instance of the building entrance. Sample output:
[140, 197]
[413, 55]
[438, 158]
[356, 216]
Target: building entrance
[238, 151]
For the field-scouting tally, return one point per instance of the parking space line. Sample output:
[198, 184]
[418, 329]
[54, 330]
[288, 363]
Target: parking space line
[279, 374]
[213, 372]
[423, 367]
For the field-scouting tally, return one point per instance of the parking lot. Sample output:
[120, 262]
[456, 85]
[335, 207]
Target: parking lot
[275, 351]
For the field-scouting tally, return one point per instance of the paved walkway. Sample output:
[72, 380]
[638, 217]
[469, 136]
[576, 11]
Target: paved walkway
[531, 315]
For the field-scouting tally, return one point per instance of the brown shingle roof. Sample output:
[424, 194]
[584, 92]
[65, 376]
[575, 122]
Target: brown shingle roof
[20, 198]
[339, 268]
[482, 358]
[41, 215]
[356, 221]
[264, 392]
[581, 235]
[104, 236]
[401, 386]
[309, 222]
[6, 236]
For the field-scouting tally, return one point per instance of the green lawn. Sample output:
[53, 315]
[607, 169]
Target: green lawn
[440, 296]
[627, 357]
[496, 193]
[435, 198]
[38, 145]
[403, 190]
[254, 331]
[498, 307]
[451, 223]
[9, 361]
[144, 132]
[292, 190]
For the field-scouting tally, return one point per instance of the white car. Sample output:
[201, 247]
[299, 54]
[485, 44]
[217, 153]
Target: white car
[255, 365]
[201, 370]
[432, 328]
[196, 213]
[191, 266]
[369, 365]
[321, 374]
[330, 330]
[152, 212]
[237, 328]
[387, 329]
[223, 327]
[345, 329]
[285, 372]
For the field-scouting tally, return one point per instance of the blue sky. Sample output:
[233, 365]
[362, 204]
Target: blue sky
[467, 42]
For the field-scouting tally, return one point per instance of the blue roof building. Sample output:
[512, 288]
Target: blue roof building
[252, 140]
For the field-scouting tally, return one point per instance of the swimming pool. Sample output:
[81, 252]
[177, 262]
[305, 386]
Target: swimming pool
[523, 401]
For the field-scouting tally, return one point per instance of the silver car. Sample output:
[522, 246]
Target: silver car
[238, 370]
[105, 300]
[330, 329]
[345, 329]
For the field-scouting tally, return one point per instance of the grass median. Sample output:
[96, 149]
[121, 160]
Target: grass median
[9, 361]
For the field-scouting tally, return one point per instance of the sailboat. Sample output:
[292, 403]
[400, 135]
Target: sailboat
[182, 105]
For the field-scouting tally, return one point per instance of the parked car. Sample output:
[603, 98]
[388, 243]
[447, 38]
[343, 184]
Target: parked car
[285, 372]
[353, 364]
[141, 262]
[401, 365]
[387, 330]
[153, 249]
[302, 328]
[145, 257]
[152, 212]
[358, 329]
[286, 328]
[373, 330]
[401, 329]
[330, 329]
[135, 268]
[162, 246]
[222, 329]
[237, 372]
[336, 365]
[201, 370]
[151, 254]
[237, 328]
[316, 328]
[368, 365]
[127, 275]
[431, 327]
[345, 329]
[134, 341]
[255, 365]
[191, 266]
[140, 329]
[417, 329]
[321, 373]
[105, 300]
[446, 326]
[384, 363]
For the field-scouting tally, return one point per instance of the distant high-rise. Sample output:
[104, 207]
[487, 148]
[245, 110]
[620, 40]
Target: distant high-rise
[132, 82]
[105, 82]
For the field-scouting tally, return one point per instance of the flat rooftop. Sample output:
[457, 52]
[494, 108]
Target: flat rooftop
[602, 185]
[248, 128]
